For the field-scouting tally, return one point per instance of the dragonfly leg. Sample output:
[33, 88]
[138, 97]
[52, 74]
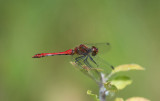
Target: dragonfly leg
[79, 58]
[86, 62]
[93, 60]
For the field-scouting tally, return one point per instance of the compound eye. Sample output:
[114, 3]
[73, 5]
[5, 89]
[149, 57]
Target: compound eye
[94, 50]
[94, 53]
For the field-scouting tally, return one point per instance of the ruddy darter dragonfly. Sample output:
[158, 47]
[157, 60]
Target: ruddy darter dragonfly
[85, 55]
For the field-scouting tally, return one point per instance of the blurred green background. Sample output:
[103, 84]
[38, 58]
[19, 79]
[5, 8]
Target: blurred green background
[28, 27]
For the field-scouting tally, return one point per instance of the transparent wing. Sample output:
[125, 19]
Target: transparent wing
[87, 67]
[102, 64]
[92, 63]
[83, 62]
[102, 47]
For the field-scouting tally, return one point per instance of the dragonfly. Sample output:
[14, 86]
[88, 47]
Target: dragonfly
[85, 55]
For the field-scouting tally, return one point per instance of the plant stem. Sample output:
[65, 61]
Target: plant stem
[102, 89]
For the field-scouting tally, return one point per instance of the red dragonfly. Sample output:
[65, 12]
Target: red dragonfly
[85, 54]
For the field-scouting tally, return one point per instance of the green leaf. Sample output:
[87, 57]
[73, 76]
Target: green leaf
[137, 99]
[121, 82]
[94, 96]
[119, 99]
[110, 87]
[127, 67]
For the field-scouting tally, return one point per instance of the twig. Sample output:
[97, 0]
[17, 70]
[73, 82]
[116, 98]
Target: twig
[102, 89]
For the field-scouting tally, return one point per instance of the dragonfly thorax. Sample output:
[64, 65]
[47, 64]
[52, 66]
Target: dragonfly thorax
[84, 50]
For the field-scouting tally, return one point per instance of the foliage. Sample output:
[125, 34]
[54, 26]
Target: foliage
[94, 96]
[132, 99]
[114, 85]
[121, 82]
[137, 99]
[110, 87]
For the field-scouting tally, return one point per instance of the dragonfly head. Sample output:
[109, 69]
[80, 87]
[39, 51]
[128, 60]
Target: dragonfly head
[94, 50]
